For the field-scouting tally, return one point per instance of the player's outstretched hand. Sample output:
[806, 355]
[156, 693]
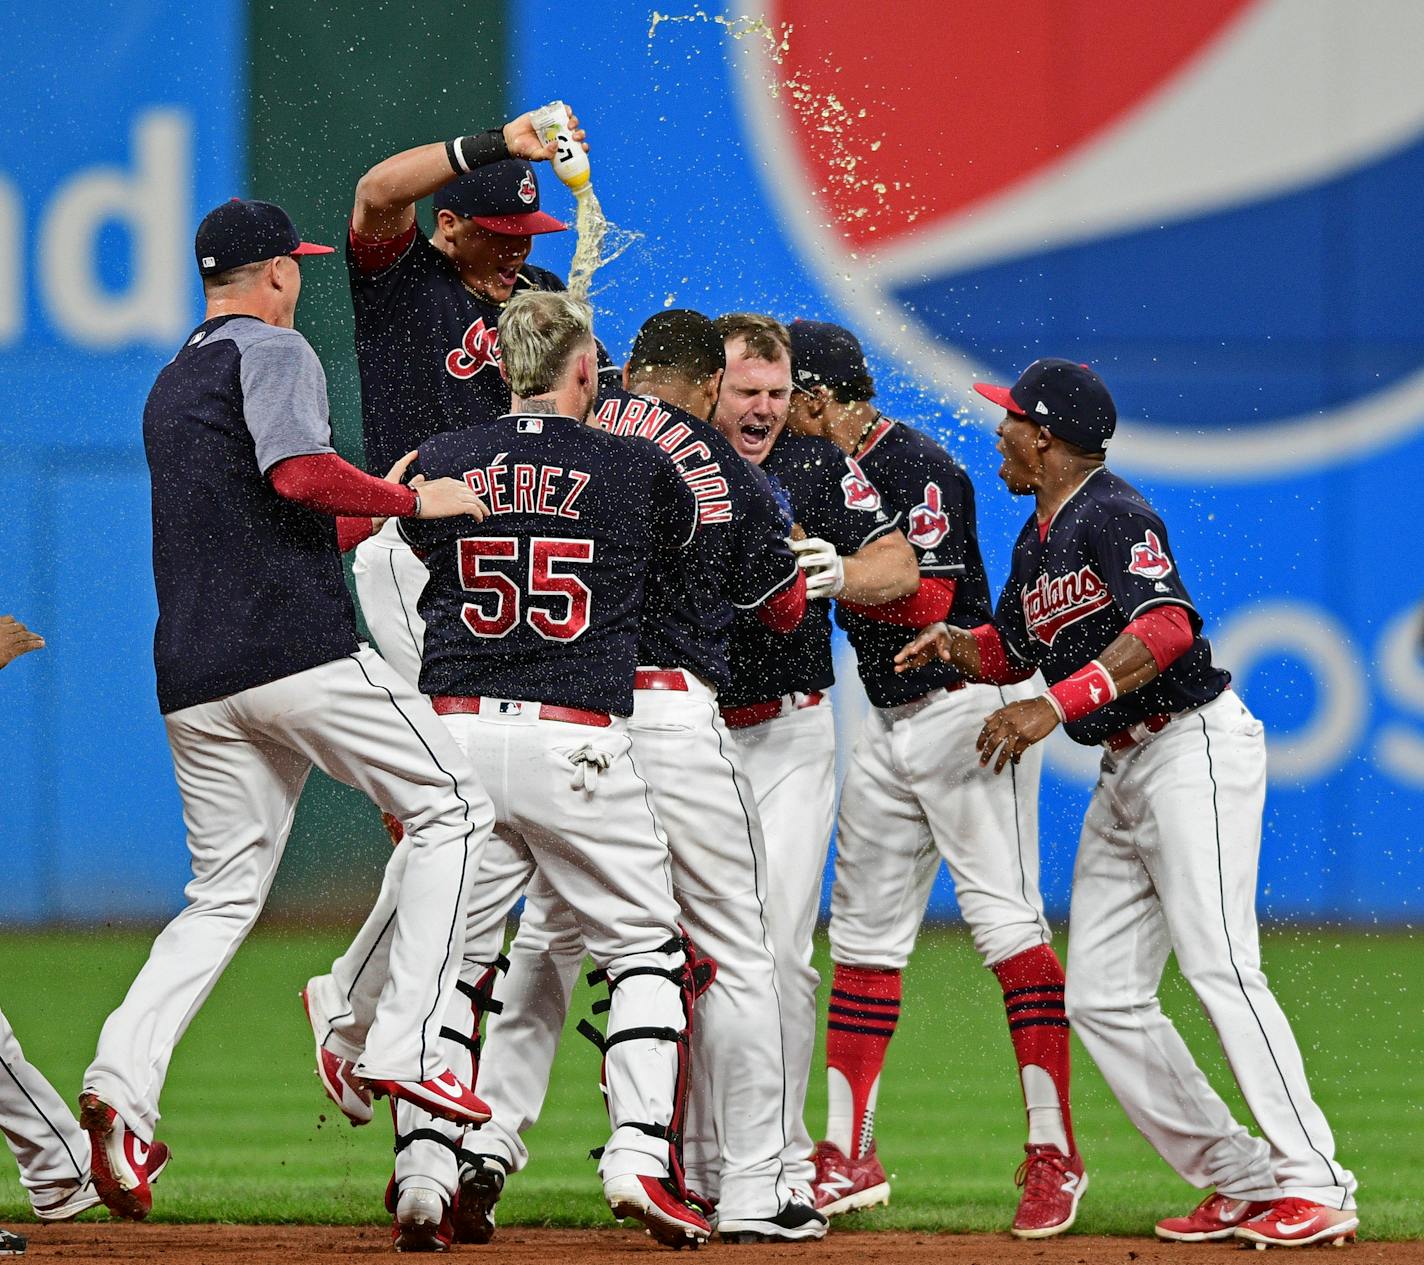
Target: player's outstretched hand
[448, 498]
[523, 141]
[16, 639]
[929, 644]
[1012, 730]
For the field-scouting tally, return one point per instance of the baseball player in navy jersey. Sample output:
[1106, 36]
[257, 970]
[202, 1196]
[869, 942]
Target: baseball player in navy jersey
[427, 315]
[1168, 854]
[260, 677]
[776, 706]
[913, 794]
[532, 625]
[735, 1134]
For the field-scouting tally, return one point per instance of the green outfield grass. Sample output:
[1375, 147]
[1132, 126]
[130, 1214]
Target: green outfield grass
[243, 1111]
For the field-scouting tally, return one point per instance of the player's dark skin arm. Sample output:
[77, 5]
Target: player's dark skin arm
[1013, 729]
[386, 195]
[882, 571]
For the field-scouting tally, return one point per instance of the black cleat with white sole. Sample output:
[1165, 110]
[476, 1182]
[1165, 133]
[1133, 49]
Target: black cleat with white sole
[481, 1184]
[793, 1224]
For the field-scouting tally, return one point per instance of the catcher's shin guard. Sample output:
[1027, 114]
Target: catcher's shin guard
[692, 975]
[480, 996]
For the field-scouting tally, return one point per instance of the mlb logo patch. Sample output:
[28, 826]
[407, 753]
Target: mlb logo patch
[510, 707]
[531, 425]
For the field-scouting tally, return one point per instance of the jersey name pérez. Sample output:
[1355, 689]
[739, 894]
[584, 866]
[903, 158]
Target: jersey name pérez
[646, 420]
[528, 489]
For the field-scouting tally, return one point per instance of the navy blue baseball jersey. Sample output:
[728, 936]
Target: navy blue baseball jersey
[828, 495]
[1105, 561]
[543, 599]
[250, 585]
[739, 557]
[930, 493]
[427, 347]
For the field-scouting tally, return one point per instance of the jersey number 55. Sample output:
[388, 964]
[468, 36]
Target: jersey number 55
[553, 602]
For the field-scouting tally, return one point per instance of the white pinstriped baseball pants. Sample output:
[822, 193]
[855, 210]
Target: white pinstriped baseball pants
[1167, 864]
[45, 1138]
[241, 763]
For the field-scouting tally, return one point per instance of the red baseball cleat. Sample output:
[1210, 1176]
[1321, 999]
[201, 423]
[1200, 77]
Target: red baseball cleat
[421, 1219]
[338, 1077]
[1052, 1185]
[444, 1095]
[118, 1159]
[1293, 1222]
[843, 1184]
[80, 1198]
[667, 1219]
[1216, 1217]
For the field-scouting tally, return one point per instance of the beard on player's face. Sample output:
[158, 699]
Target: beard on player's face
[488, 263]
[1022, 467]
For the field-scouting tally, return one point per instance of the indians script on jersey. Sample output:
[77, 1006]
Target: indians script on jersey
[479, 347]
[1055, 602]
[646, 419]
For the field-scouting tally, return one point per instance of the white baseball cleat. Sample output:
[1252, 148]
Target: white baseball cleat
[422, 1219]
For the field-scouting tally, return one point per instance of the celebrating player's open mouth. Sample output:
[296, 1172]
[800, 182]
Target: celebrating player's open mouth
[756, 437]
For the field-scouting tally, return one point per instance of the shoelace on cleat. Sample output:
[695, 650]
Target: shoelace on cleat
[1041, 1174]
[1293, 1209]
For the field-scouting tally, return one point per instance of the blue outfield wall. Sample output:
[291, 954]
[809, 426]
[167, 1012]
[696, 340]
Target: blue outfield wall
[122, 127]
[1250, 301]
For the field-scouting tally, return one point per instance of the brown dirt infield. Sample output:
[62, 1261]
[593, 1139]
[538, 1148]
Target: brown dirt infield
[105, 1243]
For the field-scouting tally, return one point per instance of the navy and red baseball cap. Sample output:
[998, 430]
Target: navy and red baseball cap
[1067, 399]
[502, 197]
[244, 231]
[823, 354]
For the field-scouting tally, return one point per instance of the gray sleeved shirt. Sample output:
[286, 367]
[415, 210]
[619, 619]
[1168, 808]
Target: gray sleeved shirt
[283, 392]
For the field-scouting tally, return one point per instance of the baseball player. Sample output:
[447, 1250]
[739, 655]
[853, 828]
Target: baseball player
[735, 1136]
[45, 1138]
[1167, 859]
[40, 1130]
[260, 676]
[427, 315]
[776, 706]
[532, 624]
[913, 794]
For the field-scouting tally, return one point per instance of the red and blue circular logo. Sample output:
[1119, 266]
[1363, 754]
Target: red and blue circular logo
[1214, 204]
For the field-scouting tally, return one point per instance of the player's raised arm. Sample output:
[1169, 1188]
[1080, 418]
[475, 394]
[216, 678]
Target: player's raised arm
[386, 195]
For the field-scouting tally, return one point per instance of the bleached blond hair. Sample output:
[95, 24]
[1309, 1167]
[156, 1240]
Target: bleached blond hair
[538, 331]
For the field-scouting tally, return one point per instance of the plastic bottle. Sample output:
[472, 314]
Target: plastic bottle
[570, 163]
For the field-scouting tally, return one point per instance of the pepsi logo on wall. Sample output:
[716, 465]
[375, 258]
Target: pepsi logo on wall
[1195, 204]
